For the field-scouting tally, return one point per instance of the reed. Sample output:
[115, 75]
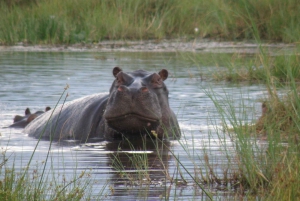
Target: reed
[68, 22]
[262, 167]
[267, 170]
[15, 186]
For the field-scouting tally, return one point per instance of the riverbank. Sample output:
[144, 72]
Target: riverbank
[175, 45]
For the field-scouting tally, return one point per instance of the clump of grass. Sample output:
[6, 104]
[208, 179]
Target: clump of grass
[23, 184]
[134, 158]
[267, 170]
[138, 161]
[281, 115]
[285, 183]
[137, 167]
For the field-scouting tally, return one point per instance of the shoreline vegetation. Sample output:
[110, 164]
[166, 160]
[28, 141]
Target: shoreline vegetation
[268, 173]
[164, 45]
[76, 21]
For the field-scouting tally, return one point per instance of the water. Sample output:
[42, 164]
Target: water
[37, 79]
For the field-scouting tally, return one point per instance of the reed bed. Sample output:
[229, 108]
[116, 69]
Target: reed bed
[267, 148]
[80, 21]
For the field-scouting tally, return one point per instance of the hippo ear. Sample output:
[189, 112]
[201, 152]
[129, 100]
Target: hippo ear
[116, 70]
[163, 74]
[27, 111]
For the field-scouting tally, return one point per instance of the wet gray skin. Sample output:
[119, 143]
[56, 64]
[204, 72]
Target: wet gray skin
[136, 105]
[23, 121]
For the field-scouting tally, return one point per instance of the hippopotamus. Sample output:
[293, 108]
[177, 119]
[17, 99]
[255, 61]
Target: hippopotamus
[19, 117]
[137, 105]
[23, 121]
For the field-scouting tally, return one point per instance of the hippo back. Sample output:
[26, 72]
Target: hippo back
[76, 119]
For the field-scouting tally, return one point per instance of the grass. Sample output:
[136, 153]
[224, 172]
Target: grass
[127, 158]
[75, 21]
[137, 167]
[268, 170]
[25, 183]
[14, 186]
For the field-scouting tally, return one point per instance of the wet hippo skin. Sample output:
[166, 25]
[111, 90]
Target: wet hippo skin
[137, 104]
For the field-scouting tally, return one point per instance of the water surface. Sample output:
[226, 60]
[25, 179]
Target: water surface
[37, 80]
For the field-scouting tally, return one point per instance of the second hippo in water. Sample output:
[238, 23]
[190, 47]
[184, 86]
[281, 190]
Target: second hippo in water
[19, 117]
[23, 121]
[137, 104]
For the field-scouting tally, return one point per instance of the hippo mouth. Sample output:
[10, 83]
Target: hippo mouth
[132, 115]
[132, 123]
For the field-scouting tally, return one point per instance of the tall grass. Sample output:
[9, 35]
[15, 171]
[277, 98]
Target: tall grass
[14, 186]
[134, 155]
[269, 169]
[73, 21]
[266, 170]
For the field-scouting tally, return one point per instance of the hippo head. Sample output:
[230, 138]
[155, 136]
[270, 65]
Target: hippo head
[137, 102]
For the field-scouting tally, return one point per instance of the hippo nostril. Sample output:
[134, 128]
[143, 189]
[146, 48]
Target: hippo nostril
[144, 89]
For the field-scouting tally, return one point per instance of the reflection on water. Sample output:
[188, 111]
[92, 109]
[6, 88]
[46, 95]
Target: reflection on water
[121, 170]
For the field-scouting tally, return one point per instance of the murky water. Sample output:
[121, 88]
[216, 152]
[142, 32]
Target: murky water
[37, 80]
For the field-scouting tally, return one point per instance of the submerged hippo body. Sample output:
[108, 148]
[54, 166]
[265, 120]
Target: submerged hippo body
[137, 104]
[23, 121]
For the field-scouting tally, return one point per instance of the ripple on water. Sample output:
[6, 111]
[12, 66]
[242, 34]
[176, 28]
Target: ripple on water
[37, 79]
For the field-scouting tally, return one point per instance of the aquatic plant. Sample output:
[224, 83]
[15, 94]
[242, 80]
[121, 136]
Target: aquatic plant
[140, 164]
[263, 165]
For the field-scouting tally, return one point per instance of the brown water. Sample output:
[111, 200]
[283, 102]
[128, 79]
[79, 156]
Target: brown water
[37, 79]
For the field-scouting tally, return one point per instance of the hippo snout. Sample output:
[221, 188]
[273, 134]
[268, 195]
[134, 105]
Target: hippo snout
[124, 89]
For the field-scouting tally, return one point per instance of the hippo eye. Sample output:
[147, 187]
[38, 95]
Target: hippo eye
[119, 81]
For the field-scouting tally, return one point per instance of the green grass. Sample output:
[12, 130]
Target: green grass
[73, 21]
[33, 183]
[14, 186]
[269, 170]
[132, 155]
